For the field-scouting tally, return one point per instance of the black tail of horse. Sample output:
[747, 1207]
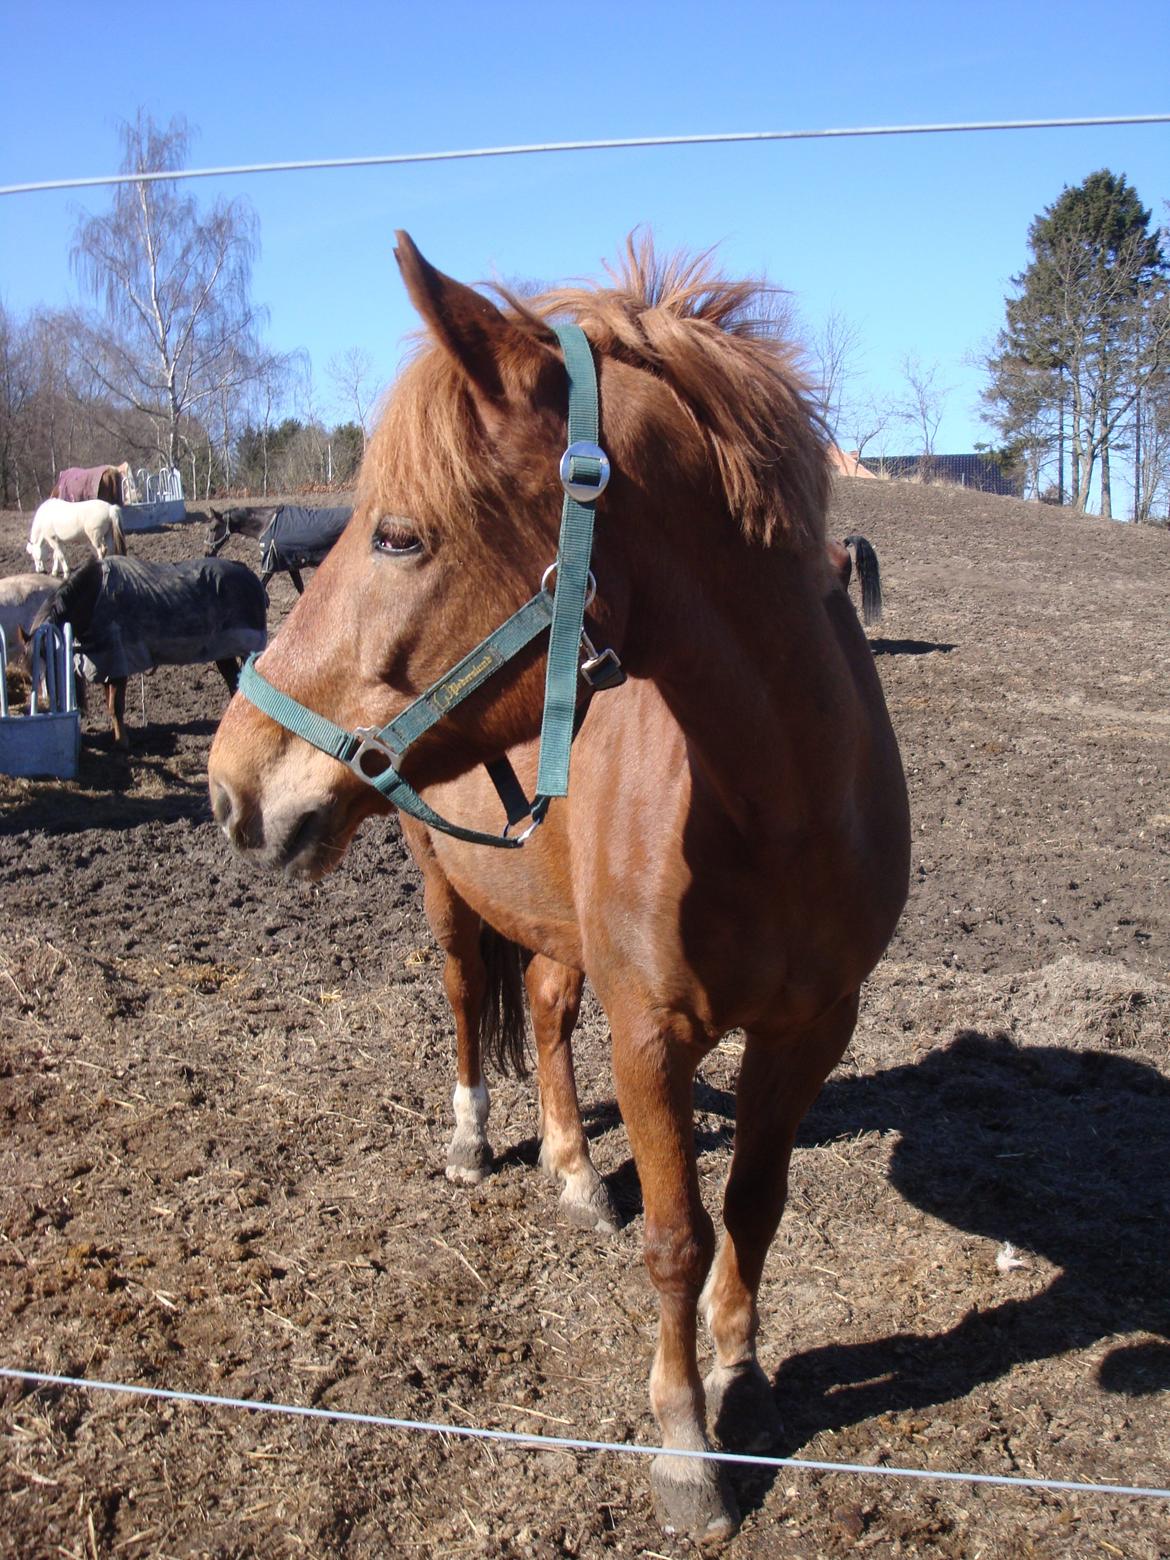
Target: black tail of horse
[870, 577]
[503, 1028]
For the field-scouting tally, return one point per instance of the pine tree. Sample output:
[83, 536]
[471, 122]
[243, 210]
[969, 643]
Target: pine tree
[1087, 330]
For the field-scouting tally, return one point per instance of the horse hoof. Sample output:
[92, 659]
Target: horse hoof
[590, 1210]
[741, 1410]
[469, 1161]
[694, 1498]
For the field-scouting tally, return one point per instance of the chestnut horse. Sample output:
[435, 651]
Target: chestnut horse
[733, 849]
[114, 484]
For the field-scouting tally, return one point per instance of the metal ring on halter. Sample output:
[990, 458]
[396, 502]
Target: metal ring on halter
[584, 492]
[520, 838]
[590, 587]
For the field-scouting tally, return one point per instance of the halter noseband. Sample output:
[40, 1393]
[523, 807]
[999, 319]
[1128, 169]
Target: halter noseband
[374, 753]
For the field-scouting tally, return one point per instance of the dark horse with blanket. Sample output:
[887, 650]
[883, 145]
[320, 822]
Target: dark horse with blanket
[291, 537]
[129, 616]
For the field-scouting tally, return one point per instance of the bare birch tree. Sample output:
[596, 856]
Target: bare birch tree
[866, 421]
[175, 327]
[833, 351]
[352, 372]
[922, 405]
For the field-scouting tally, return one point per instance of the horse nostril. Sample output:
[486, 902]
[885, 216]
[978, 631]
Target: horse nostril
[241, 823]
[223, 804]
[306, 833]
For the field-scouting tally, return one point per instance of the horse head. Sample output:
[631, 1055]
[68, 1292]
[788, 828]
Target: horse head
[456, 520]
[457, 517]
[73, 601]
[218, 530]
[129, 486]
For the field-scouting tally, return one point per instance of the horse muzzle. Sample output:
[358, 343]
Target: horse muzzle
[296, 840]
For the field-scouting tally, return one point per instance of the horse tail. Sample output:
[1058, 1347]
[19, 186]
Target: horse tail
[120, 535]
[870, 577]
[503, 1029]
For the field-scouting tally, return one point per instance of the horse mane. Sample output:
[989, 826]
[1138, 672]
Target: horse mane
[712, 341]
[72, 598]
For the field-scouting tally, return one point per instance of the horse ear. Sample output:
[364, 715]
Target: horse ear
[467, 324]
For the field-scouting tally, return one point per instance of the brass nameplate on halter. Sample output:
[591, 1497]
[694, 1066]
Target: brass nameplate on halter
[464, 680]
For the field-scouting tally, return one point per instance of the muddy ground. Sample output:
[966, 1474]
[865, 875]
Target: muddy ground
[225, 1102]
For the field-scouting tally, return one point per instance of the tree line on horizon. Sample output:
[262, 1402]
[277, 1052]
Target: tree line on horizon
[165, 364]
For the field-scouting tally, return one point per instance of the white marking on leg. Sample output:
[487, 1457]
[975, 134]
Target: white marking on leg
[471, 1107]
[469, 1155]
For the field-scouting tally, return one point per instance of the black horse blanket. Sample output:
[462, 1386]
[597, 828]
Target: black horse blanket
[169, 614]
[295, 538]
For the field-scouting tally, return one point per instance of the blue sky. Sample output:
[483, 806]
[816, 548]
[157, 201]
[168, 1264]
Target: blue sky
[912, 240]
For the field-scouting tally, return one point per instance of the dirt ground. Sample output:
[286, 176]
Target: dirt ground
[225, 1104]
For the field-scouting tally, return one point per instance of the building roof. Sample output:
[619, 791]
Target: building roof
[982, 472]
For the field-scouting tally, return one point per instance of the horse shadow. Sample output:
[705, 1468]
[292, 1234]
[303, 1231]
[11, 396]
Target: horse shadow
[910, 647]
[112, 780]
[1062, 1153]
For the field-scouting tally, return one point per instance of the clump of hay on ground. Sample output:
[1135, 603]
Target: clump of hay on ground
[1096, 1003]
[1090, 1004]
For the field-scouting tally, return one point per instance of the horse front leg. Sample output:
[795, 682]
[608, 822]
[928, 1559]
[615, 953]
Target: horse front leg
[655, 1057]
[116, 705]
[780, 1077]
[60, 562]
[554, 999]
[457, 930]
[229, 670]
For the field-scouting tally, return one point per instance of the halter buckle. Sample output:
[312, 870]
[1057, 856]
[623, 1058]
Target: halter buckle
[580, 481]
[371, 744]
[549, 574]
[601, 668]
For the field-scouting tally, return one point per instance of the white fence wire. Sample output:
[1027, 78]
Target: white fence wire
[578, 1444]
[625, 143]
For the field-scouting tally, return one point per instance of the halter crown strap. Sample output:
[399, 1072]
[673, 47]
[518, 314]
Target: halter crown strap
[374, 754]
[586, 467]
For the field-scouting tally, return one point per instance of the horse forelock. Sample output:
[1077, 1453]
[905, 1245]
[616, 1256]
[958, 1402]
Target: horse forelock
[712, 341]
[432, 445]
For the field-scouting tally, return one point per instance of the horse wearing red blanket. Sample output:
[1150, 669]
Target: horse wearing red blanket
[77, 483]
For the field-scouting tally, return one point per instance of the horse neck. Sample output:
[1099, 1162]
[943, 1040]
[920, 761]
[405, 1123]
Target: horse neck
[739, 645]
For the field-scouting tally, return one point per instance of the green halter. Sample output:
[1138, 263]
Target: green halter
[375, 753]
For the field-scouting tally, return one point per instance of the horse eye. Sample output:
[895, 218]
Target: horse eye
[397, 538]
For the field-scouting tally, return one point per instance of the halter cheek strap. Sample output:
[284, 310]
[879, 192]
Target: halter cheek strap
[375, 753]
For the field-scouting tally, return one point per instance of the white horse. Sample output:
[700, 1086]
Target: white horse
[58, 521]
[21, 597]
